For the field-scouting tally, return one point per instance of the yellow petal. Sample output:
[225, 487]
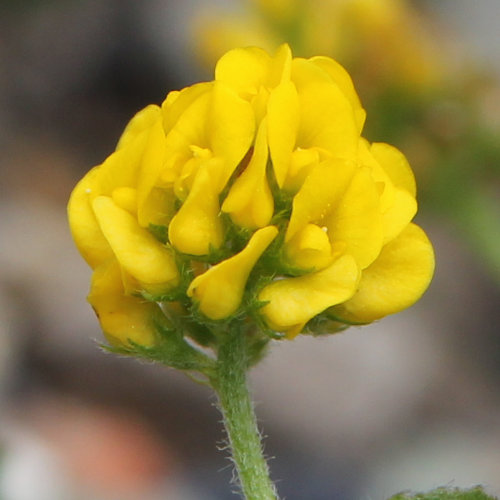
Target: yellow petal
[395, 165]
[294, 301]
[152, 164]
[305, 72]
[137, 251]
[366, 158]
[142, 121]
[327, 121]
[320, 193]
[126, 198]
[122, 317]
[184, 140]
[283, 121]
[85, 230]
[244, 70]
[230, 129]
[220, 289]
[259, 104]
[281, 66]
[397, 217]
[119, 170]
[327, 118]
[301, 163]
[356, 222]
[158, 208]
[202, 158]
[122, 168]
[397, 203]
[190, 126]
[218, 122]
[250, 201]
[309, 248]
[341, 77]
[177, 102]
[395, 281]
[196, 227]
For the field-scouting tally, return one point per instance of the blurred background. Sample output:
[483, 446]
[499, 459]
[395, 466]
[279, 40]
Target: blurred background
[412, 402]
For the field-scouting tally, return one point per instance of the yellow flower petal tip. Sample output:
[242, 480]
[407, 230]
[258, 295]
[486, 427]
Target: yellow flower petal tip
[310, 248]
[123, 318]
[294, 301]
[395, 281]
[251, 198]
[138, 252]
[219, 290]
[197, 227]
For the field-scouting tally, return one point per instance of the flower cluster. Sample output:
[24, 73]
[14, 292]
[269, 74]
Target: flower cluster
[252, 198]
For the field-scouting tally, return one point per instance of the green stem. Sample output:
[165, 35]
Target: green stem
[239, 418]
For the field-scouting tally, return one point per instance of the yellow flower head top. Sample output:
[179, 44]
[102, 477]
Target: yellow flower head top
[254, 199]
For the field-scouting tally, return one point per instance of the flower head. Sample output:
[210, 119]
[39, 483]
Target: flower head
[252, 198]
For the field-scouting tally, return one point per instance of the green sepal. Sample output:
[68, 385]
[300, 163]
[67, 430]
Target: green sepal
[334, 313]
[274, 261]
[235, 237]
[323, 324]
[214, 255]
[215, 325]
[329, 322]
[171, 349]
[177, 293]
[195, 329]
[200, 333]
[283, 201]
[252, 304]
[160, 232]
[257, 339]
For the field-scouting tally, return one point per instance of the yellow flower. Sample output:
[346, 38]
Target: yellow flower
[251, 198]
[123, 318]
[292, 302]
[220, 289]
[250, 201]
[395, 280]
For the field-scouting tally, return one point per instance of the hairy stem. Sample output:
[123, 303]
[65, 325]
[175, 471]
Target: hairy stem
[239, 418]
